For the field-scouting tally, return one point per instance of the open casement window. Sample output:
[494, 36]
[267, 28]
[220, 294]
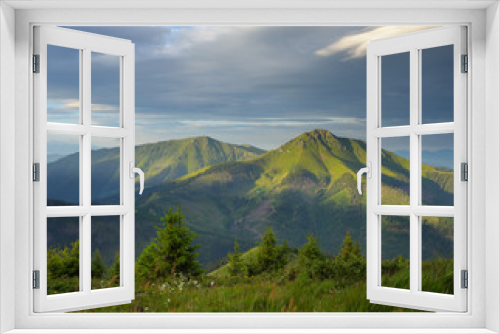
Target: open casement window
[417, 102]
[69, 122]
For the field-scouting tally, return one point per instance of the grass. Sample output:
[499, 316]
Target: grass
[253, 296]
[274, 293]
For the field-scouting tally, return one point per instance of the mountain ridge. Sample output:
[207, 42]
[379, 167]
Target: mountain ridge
[161, 161]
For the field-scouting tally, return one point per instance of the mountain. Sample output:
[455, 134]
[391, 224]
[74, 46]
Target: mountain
[440, 158]
[307, 185]
[160, 162]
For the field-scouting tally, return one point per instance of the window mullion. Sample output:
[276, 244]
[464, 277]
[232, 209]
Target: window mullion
[414, 171]
[85, 232]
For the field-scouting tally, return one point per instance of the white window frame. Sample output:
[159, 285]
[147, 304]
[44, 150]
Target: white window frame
[484, 50]
[413, 44]
[85, 43]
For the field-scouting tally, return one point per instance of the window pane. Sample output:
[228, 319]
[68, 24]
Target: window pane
[395, 89]
[437, 84]
[63, 255]
[63, 170]
[105, 171]
[395, 171]
[437, 254]
[396, 252]
[437, 169]
[105, 252]
[63, 85]
[105, 90]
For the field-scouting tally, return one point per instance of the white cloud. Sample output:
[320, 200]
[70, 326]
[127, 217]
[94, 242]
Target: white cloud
[104, 107]
[355, 44]
[183, 38]
[63, 104]
[70, 104]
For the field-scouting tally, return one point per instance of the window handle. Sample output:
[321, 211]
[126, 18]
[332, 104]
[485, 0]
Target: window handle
[368, 171]
[139, 171]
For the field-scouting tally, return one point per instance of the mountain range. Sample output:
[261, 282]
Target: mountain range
[307, 185]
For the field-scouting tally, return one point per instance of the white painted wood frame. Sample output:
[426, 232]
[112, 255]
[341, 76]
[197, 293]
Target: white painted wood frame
[483, 20]
[413, 43]
[86, 43]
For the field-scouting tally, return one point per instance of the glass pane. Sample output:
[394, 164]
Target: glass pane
[105, 90]
[437, 254]
[395, 89]
[396, 252]
[63, 170]
[63, 255]
[63, 85]
[437, 169]
[437, 84]
[105, 172]
[395, 171]
[105, 252]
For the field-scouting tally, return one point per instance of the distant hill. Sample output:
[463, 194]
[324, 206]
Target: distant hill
[441, 158]
[160, 162]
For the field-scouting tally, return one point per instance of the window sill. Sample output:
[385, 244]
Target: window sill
[251, 331]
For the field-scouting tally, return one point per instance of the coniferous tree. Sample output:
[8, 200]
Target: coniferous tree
[98, 269]
[64, 262]
[349, 249]
[310, 252]
[114, 270]
[350, 264]
[63, 267]
[313, 263]
[171, 251]
[236, 265]
[270, 256]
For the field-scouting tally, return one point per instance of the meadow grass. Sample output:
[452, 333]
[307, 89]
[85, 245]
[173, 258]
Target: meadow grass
[262, 294]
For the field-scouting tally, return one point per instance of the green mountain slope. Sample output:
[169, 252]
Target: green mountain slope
[306, 185]
[160, 161]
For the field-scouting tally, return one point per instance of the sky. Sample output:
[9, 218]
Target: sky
[249, 85]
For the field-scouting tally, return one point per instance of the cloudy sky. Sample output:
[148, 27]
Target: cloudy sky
[245, 85]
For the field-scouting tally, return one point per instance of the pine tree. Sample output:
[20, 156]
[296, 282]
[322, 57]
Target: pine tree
[98, 269]
[270, 256]
[64, 262]
[349, 250]
[171, 251]
[114, 270]
[313, 263]
[236, 266]
[63, 268]
[310, 252]
[350, 264]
